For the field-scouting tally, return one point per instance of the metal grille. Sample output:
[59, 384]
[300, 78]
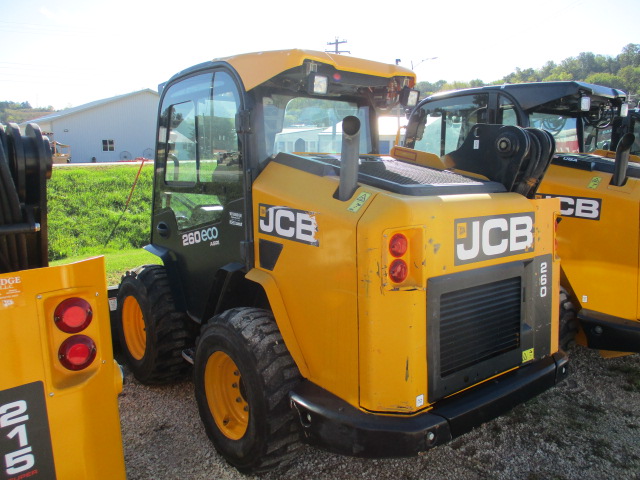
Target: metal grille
[407, 174]
[386, 168]
[479, 323]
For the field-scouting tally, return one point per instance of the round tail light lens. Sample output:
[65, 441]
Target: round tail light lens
[398, 271]
[73, 315]
[398, 245]
[77, 352]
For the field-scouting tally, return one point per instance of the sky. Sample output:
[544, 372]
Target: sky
[64, 53]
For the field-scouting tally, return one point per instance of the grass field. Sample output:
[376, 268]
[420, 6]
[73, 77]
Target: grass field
[85, 205]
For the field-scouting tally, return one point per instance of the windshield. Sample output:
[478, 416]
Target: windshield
[441, 126]
[307, 124]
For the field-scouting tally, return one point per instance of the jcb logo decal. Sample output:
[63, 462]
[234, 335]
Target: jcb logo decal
[579, 207]
[289, 223]
[484, 238]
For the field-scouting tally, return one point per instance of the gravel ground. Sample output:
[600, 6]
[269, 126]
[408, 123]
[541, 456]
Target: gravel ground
[588, 427]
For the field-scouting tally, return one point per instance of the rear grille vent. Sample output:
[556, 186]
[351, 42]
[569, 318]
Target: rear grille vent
[479, 323]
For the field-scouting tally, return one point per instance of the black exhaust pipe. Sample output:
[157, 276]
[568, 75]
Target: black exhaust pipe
[622, 160]
[349, 158]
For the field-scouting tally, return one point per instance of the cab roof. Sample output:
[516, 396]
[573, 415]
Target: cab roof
[258, 67]
[532, 94]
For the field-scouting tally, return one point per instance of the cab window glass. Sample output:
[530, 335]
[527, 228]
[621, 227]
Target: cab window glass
[181, 158]
[507, 113]
[306, 124]
[444, 124]
[596, 138]
[203, 170]
[563, 129]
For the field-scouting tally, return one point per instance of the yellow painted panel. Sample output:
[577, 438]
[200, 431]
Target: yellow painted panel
[599, 256]
[82, 406]
[393, 330]
[317, 283]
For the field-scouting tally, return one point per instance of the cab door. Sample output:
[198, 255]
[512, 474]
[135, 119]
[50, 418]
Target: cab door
[199, 216]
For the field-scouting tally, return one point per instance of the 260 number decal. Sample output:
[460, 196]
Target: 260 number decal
[206, 235]
[544, 266]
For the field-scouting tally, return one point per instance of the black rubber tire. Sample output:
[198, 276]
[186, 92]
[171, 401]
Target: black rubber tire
[250, 337]
[166, 329]
[568, 321]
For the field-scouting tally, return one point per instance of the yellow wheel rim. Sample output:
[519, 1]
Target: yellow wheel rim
[225, 395]
[135, 334]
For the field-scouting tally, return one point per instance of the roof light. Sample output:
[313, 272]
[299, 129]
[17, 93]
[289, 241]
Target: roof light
[73, 315]
[624, 109]
[585, 103]
[77, 352]
[318, 84]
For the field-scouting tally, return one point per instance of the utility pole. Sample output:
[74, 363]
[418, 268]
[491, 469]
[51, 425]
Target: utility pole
[336, 43]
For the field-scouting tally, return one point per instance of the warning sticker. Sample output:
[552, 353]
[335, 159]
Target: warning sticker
[527, 355]
[595, 181]
[359, 202]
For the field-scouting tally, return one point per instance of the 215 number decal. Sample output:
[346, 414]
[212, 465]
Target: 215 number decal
[22, 459]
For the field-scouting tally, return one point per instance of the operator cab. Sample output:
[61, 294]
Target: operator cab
[579, 115]
[220, 124]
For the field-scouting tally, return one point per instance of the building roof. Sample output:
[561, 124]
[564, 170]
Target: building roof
[87, 106]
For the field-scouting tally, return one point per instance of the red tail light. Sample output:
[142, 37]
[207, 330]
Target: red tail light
[398, 245]
[73, 315]
[77, 352]
[398, 271]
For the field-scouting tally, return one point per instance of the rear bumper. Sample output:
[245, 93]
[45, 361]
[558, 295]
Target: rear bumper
[606, 332]
[333, 424]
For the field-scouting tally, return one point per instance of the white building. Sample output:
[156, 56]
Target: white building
[320, 139]
[109, 130]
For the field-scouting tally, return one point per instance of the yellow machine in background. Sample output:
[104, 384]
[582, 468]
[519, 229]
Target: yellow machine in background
[59, 382]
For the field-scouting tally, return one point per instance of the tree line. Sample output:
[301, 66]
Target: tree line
[621, 71]
[18, 112]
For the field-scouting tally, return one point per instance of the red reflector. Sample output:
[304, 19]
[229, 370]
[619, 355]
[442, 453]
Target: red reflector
[77, 352]
[398, 271]
[398, 245]
[73, 315]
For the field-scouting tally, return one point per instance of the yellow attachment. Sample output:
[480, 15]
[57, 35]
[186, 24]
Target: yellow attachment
[134, 328]
[223, 387]
[257, 68]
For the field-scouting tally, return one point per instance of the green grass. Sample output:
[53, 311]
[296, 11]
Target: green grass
[85, 203]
